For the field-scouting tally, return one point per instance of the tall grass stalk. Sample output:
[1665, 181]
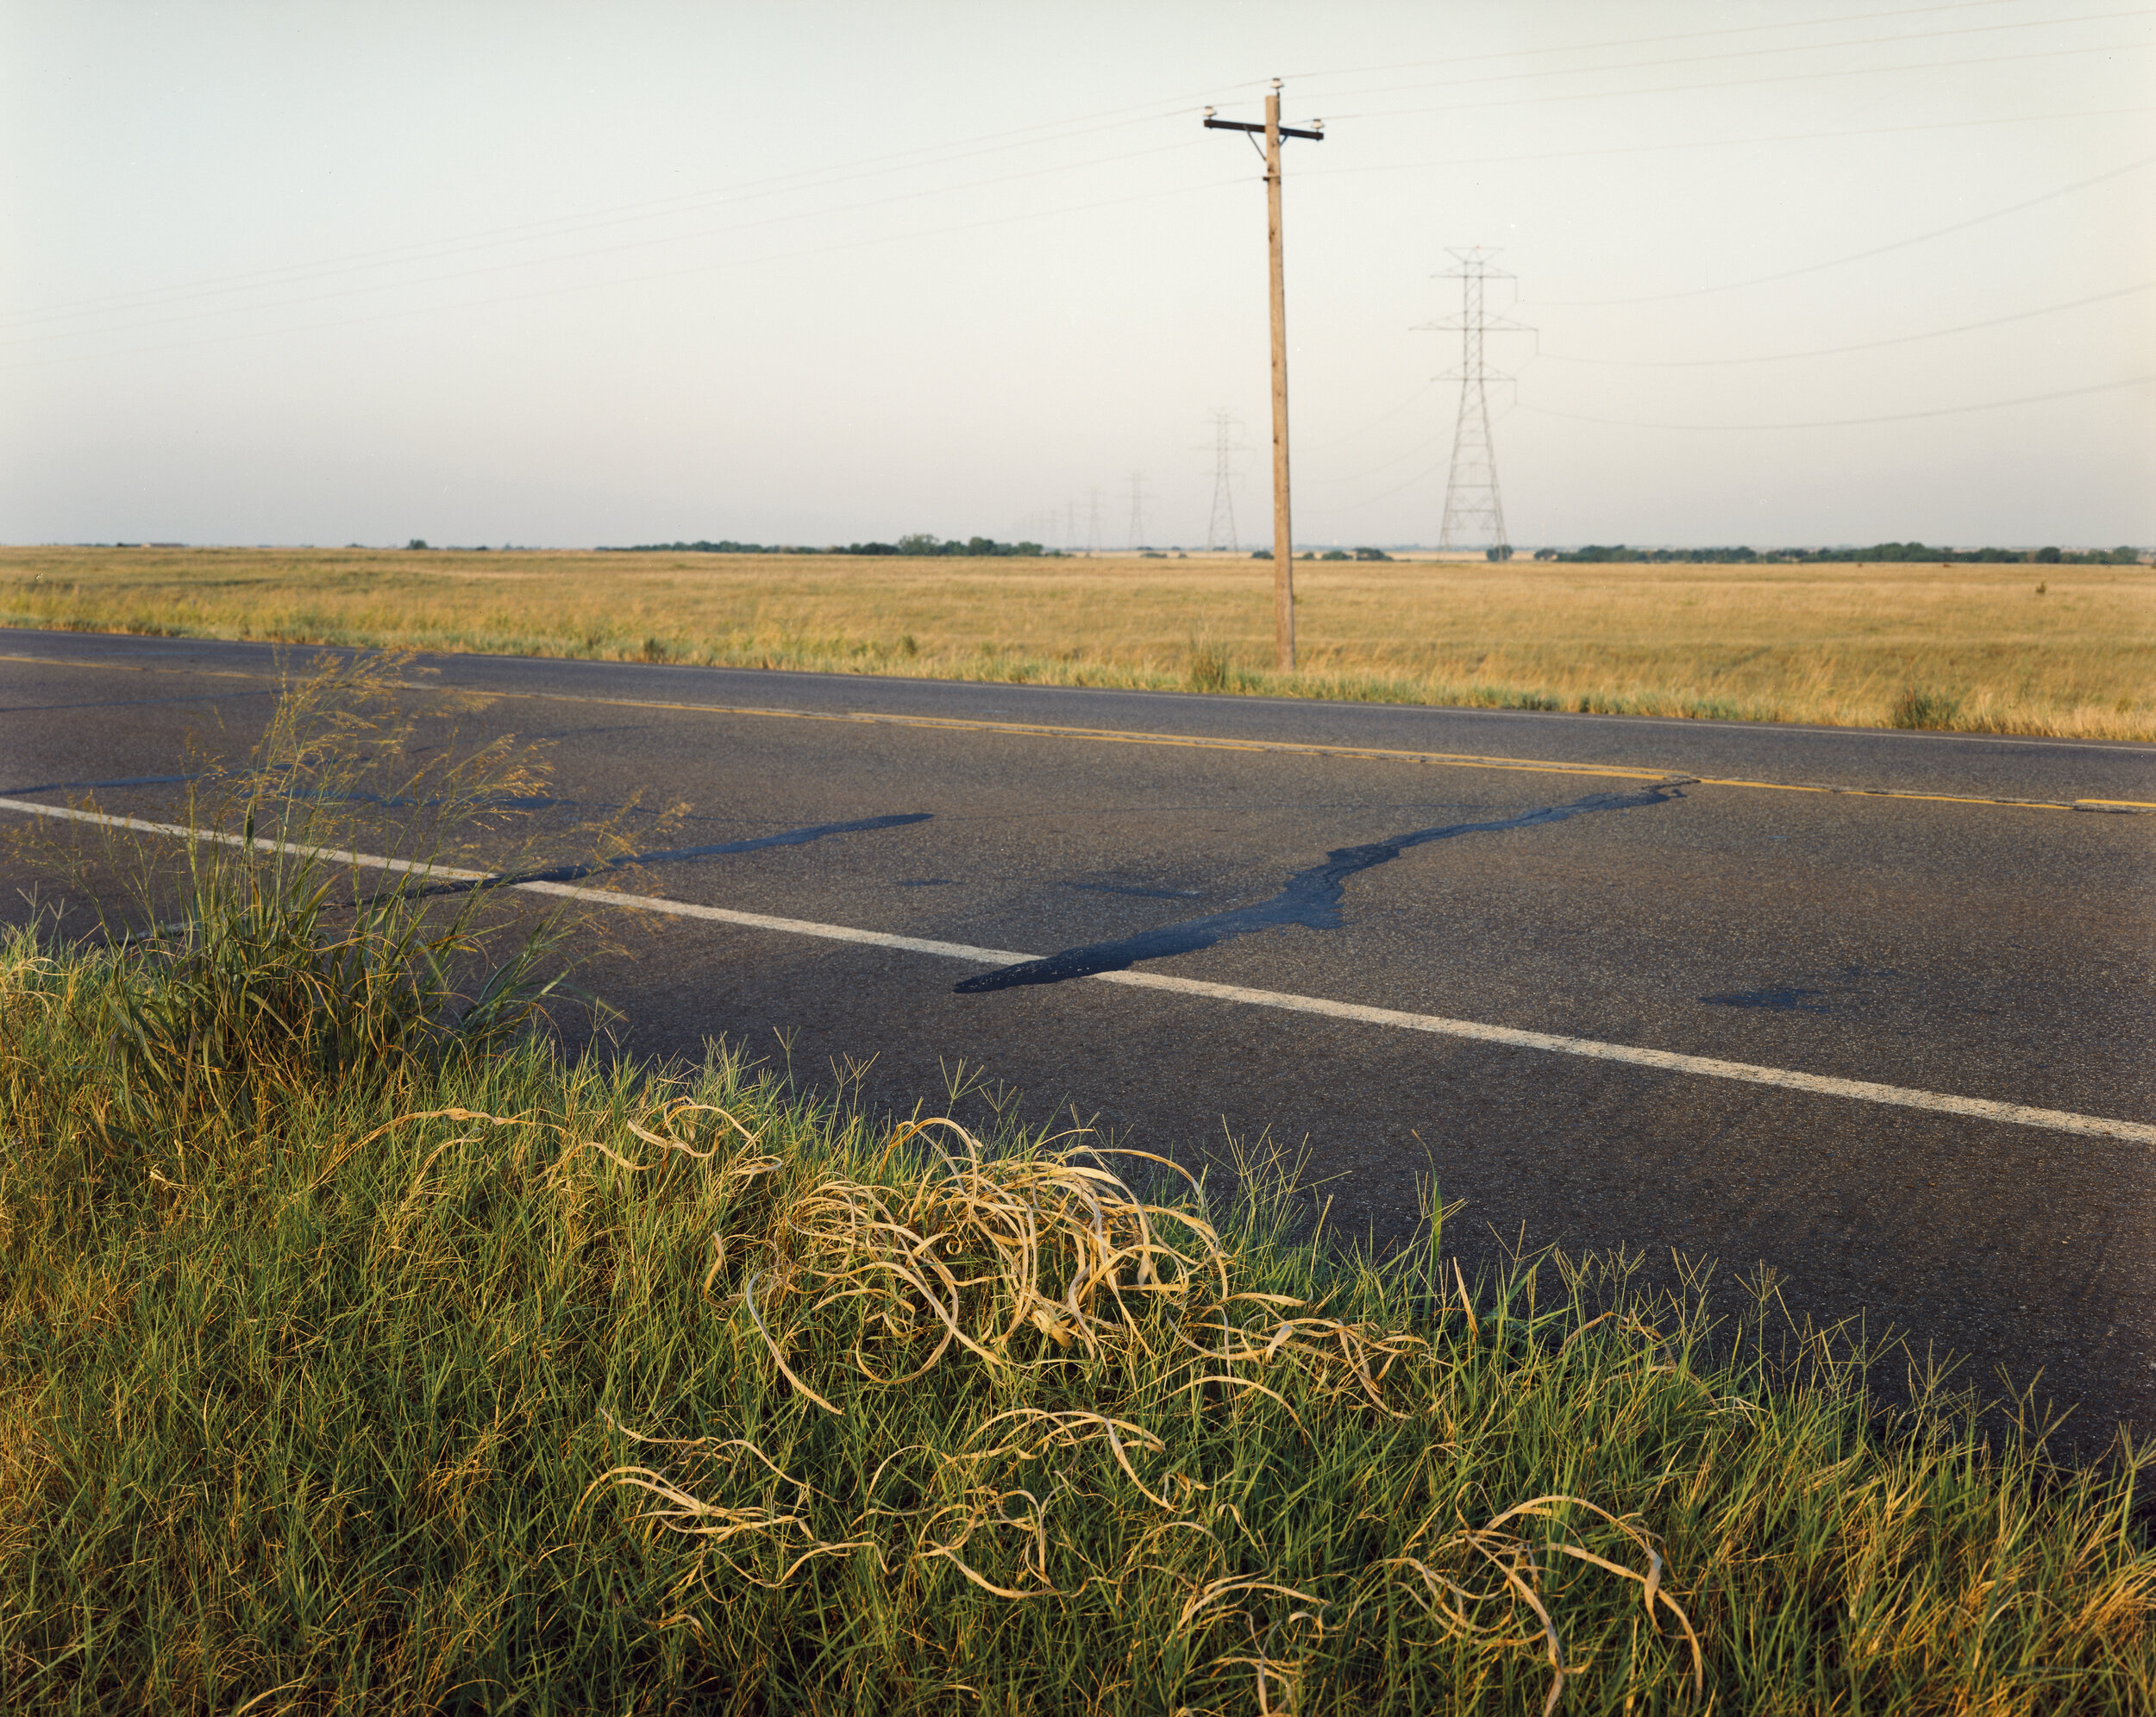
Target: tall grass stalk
[521, 1383]
[254, 953]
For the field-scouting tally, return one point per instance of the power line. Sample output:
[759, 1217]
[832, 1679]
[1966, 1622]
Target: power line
[1415, 482]
[1857, 256]
[787, 183]
[1385, 416]
[572, 255]
[1850, 422]
[1648, 40]
[1745, 83]
[1865, 346]
[1424, 475]
[1726, 143]
[1722, 142]
[1743, 54]
[976, 225]
[1387, 464]
[659, 208]
[906, 160]
[636, 279]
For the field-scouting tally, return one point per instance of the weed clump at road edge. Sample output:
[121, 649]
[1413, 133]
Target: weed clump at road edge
[1921, 706]
[1207, 667]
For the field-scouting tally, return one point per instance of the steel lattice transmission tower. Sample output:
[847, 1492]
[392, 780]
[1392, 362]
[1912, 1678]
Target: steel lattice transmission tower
[1474, 509]
[1220, 528]
[1136, 533]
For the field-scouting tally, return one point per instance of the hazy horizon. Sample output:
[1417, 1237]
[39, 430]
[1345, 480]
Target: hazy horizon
[833, 273]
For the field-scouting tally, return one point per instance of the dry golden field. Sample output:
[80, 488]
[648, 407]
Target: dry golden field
[2005, 648]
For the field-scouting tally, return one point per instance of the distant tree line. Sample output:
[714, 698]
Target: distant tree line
[922, 543]
[918, 543]
[703, 548]
[2122, 557]
[1329, 555]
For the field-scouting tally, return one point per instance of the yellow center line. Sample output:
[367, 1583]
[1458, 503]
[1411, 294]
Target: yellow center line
[1454, 760]
[1451, 760]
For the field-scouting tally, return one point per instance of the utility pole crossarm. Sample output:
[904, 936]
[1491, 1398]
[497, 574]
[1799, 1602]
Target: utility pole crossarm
[1212, 124]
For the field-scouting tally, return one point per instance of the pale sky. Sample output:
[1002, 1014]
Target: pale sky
[567, 275]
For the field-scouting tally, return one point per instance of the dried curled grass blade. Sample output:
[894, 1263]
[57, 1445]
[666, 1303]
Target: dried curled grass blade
[1123, 1461]
[711, 1446]
[748, 1298]
[685, 1106]
[1245, 1384]
[935, 1303]
[982, 1581]
[1580, 1331]
[749, 1136]
[607, 1151]
[729, 1523]
[412, 1191]
[1549, 1626]
[269, 1692]
[356, 1146]
[1234, 1585]
[391, 1124]
[670, 1144]
[1069, 1420]
[1457, 1622]
[815, 1550]
[920, 1128]
[1549, 1507]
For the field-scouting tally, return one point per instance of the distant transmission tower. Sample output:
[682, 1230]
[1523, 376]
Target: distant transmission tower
[1474, 511]
[1138, 512]
[1221, 531]
[1092, 525]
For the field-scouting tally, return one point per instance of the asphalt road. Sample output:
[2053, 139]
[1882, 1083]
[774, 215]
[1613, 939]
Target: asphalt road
[1649, 885]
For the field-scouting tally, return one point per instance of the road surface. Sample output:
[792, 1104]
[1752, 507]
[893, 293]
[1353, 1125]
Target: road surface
[1871, 1009]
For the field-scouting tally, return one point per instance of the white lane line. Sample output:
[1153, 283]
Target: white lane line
[874, 939]
[1864, 1090]
[187, 831]
[1670, 1061]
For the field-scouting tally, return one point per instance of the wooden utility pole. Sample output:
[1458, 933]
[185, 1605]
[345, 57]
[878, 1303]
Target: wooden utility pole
[1284, 532]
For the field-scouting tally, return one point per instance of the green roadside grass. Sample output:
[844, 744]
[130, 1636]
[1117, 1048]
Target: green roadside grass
[361, 1352]
[501, 1381]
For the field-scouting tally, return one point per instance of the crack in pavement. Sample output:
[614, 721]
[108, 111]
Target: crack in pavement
[1836, 993]
[573, 873]
[124, 781]
[1142, 894]
[1311, 898]
[130, 703]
